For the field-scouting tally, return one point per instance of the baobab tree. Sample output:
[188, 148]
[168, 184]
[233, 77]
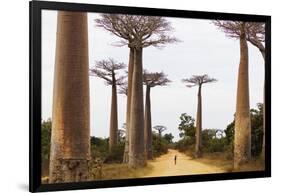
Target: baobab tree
[198, 80]
[242, 134]
[70, 137]
[160, 129]
[256, 36]
[137, 32]
[151, 80]
[107, 70]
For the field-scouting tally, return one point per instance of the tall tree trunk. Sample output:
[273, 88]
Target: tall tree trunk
[263, 117]
[70, 138]
[129, 94]
[263, 124]
[261, 48]
[136, 141]
[147, 125]
[242, 137]
[113, 119]
[159, 139]
[198, 124]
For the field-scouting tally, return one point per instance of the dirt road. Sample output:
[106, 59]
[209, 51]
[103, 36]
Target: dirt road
[164, 165]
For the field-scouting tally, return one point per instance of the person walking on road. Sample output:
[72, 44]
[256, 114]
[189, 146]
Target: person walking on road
[175, 159]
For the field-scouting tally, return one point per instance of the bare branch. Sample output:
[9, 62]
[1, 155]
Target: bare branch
[198, 80]
[230, 28]
[137, 31]
[106, 69]
[256, 35]
[155, 79]
[123, 88]
[160, 128]
[255, 31]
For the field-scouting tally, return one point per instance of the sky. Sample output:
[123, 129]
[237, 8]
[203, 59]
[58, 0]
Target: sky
[203, 49]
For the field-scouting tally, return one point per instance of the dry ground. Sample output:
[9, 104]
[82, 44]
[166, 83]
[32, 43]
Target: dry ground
[165, 166]
[186, 165]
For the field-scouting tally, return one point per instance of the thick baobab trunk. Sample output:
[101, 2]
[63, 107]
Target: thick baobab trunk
[198, 124]
[113, 119]
[136, 141]
[242, 137]
[70, 138]
[129, 94]
[147, 125]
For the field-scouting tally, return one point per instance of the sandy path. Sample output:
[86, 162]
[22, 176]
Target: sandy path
[164, 165]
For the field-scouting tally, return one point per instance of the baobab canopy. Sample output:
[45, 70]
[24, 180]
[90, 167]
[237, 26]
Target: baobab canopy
[197, 80]
[137, 31]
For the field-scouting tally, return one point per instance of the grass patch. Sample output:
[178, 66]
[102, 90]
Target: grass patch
[217, 159]
[222, 160]
[255, 164]
[123, 171]
[117, 171]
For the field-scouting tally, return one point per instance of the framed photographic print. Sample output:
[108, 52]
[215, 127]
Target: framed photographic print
[126, 96]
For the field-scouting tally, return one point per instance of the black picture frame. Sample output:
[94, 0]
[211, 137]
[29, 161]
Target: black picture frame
[36, 8]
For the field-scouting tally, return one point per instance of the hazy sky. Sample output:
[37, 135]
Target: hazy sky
[203, 50]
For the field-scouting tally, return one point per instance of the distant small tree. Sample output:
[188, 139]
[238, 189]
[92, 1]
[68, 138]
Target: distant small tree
[46, 127]
[107, 70]
[160, 129]
[213, 140]
[168, 137]
[187, 128]
[198, 80]
[151, 80]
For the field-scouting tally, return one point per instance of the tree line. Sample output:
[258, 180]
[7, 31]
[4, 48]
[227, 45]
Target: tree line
[220, 140]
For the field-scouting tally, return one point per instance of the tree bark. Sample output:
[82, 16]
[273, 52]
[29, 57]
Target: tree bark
[113, 119]
[136, 141]
[242, 137]
[147, 125]
[70, 138]
[129, 94]
[198, 124]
